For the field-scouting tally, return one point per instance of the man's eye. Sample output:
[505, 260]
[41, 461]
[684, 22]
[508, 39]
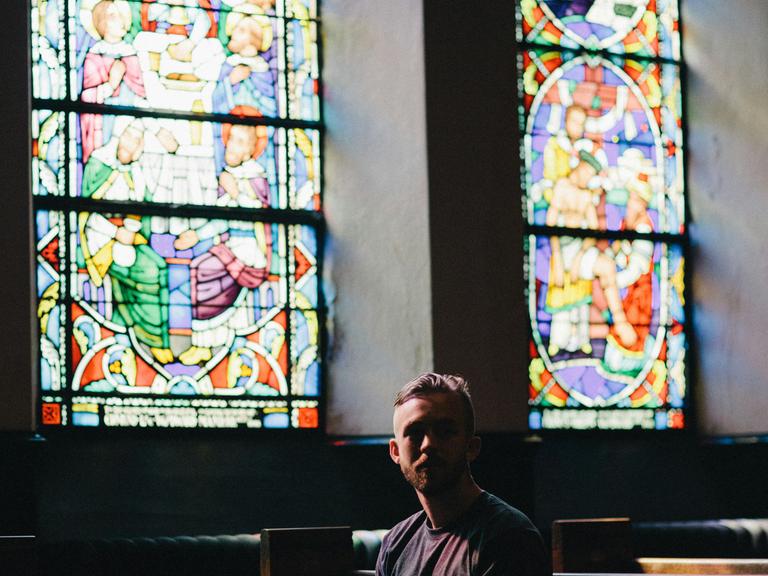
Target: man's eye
[445, 431]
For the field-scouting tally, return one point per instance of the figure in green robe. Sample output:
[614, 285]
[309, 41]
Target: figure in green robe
[138, 274]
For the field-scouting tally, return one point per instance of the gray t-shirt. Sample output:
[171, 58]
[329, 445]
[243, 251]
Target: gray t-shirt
[490, 539]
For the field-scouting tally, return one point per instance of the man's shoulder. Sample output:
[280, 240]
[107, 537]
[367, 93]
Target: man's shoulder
[404, 528]
[497, 524]
[507, 541]
[493, 510]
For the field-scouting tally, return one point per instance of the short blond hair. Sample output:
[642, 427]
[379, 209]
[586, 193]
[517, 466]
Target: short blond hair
[433, 383]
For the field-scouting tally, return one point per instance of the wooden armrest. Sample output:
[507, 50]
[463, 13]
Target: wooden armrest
[306, 551]
[597, 545]
[703, 565]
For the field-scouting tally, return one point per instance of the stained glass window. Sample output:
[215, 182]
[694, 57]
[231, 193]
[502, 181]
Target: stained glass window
[176, 176]
[604, 199]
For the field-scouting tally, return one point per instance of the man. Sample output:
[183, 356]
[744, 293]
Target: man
[462, 529]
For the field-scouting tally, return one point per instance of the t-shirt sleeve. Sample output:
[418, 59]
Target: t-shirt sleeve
[520, 553]
[381, 560]
[380, 566]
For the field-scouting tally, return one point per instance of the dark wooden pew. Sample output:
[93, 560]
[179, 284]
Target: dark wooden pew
[17, 555]
[604, 546]
[703, 565]
[306, 551]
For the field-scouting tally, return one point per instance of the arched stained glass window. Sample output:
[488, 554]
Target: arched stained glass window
[176, 182]
[602, 148]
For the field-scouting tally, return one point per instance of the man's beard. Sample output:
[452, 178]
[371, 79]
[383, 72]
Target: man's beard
[437, 478]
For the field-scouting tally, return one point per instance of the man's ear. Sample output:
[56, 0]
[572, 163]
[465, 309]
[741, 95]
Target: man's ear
[473, 448]
[394, 451]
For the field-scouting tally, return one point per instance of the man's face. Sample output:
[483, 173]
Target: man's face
[575, 120]
[109, 22]
[263, 4]
[636, 205]
[241, 144]
[246, 37]
[130, 145]
[431, 442]
[582, 174]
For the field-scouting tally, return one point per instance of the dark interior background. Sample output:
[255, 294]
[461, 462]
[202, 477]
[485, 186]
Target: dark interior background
[68, 488]
[81, 485]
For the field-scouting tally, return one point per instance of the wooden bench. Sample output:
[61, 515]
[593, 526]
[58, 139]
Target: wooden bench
[703, 565]
[306, 551]
[604, 546]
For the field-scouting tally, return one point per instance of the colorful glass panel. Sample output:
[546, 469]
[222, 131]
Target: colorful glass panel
[303, 269]
[640, 28]
[176, 161]
[301, 9]
[177, 264]
[303, 85]
[51, 282]
[304, 161]
[603, 126]
[170, 309]
[305, 414]
[48, 153]
[48, 49]
[602, 144]
[607, 332]
[305, 379]
[195, 56]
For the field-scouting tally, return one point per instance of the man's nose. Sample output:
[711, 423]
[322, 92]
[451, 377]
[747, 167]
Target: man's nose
[427, 442]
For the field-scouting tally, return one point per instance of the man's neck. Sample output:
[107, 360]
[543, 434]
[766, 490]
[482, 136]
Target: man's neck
[443, 508]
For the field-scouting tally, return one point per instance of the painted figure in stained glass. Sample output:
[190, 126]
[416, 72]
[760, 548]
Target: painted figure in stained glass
[180, 53]
[610, 371]
[182, 300]
[589, 104]
[561, 154]
[232, 269]
[634, 260]
[628, 293]
[211, 163]
[248, 76]
[243, 180]
[138, 281]
[113, 172]
[576, 262]
[161, 287]
[155, 174]
[115, 248]
[111, 71]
